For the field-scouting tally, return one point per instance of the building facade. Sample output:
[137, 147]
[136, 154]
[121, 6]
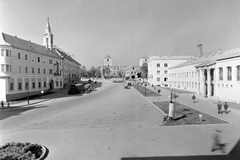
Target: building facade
[210, 75]
[27, 68]
[158, 68]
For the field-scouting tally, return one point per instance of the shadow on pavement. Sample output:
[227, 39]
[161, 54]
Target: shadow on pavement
[233, 155]
[17, 110]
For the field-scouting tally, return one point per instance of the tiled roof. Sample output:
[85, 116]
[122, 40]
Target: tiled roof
[209, 59]
[66, 56]
[27, 45]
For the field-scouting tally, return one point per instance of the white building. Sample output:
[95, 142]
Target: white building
[158, 67]
[143, 59]
[214, 74]
[71, 68]
[27, 68]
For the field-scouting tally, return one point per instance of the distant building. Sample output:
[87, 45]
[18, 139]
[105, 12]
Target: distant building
[107, 61]
[131, 72]
[158, 68]
[143, 59]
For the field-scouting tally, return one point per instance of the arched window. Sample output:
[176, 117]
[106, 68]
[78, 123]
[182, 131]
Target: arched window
[220, 73]
[238, 73]
[229, 73]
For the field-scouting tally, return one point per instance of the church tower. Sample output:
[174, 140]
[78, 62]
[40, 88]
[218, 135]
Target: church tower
[107, 61]
[48, 36]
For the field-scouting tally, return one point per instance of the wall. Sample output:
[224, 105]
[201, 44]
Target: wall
[228, 90]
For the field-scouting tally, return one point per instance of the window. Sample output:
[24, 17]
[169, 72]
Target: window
[165, 72]
[8, 53]
[44, 71]
[220, 73]
[33, 58]
[39, 84]
[158, 72]
[33, 85]
[26, 69]
[45, 84]
[38, 59]
[20, 86]
[19, 69]
[2, 67]
[107, 59]
[165, 79]
[2, 52]
[26, 85]
[50, 71]
[158, 64]
[19, 55]
[39, 70]
[158, 79]
[165, 65]
[26, 57]
[229, 73]
[33, 70]
[50, 61]
[238, 73]
[11, 87]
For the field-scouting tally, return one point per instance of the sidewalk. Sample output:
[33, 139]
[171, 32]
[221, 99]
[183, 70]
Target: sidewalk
[35, 100]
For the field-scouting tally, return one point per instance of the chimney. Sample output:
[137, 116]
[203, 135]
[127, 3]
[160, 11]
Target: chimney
[200, 47]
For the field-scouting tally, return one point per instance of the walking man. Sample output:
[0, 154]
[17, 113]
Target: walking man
[193, 98]
[217, 144]
[225, 107]
[219, 106]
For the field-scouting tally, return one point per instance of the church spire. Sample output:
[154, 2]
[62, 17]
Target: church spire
[48, 36]
[48, 28]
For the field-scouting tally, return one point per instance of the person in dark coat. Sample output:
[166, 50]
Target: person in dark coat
[219, 106]
[193, 98]
[226, 107]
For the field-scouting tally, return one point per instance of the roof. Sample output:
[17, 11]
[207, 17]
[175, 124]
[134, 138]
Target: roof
[107, 57]
[144, 57]
[211, 58]
[65, 55]
[169, 57]
[25, 45]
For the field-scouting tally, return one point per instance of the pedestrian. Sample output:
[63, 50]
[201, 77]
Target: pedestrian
[193, 98]
[2, 103]
[219, 106]
[226, 107]
[217, 142]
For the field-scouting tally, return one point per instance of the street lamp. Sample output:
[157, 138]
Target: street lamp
[145, 88]
[159, 90]
[27, 86]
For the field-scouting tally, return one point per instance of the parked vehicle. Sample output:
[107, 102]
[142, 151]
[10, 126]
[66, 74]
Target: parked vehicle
[87, 88]
[75, 89]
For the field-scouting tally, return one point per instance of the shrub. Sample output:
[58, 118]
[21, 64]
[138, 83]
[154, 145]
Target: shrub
[20, 151]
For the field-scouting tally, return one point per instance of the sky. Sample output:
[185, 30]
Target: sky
[125, 29]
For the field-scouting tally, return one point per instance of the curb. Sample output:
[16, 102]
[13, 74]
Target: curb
[44, 154]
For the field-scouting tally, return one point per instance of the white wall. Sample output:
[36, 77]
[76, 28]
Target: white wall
[185, 78]
[228, 90]
[153, 70]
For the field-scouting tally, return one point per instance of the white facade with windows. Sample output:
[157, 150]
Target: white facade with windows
[27, 68]
[158, 68]
[228, 79]
[211, 75]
